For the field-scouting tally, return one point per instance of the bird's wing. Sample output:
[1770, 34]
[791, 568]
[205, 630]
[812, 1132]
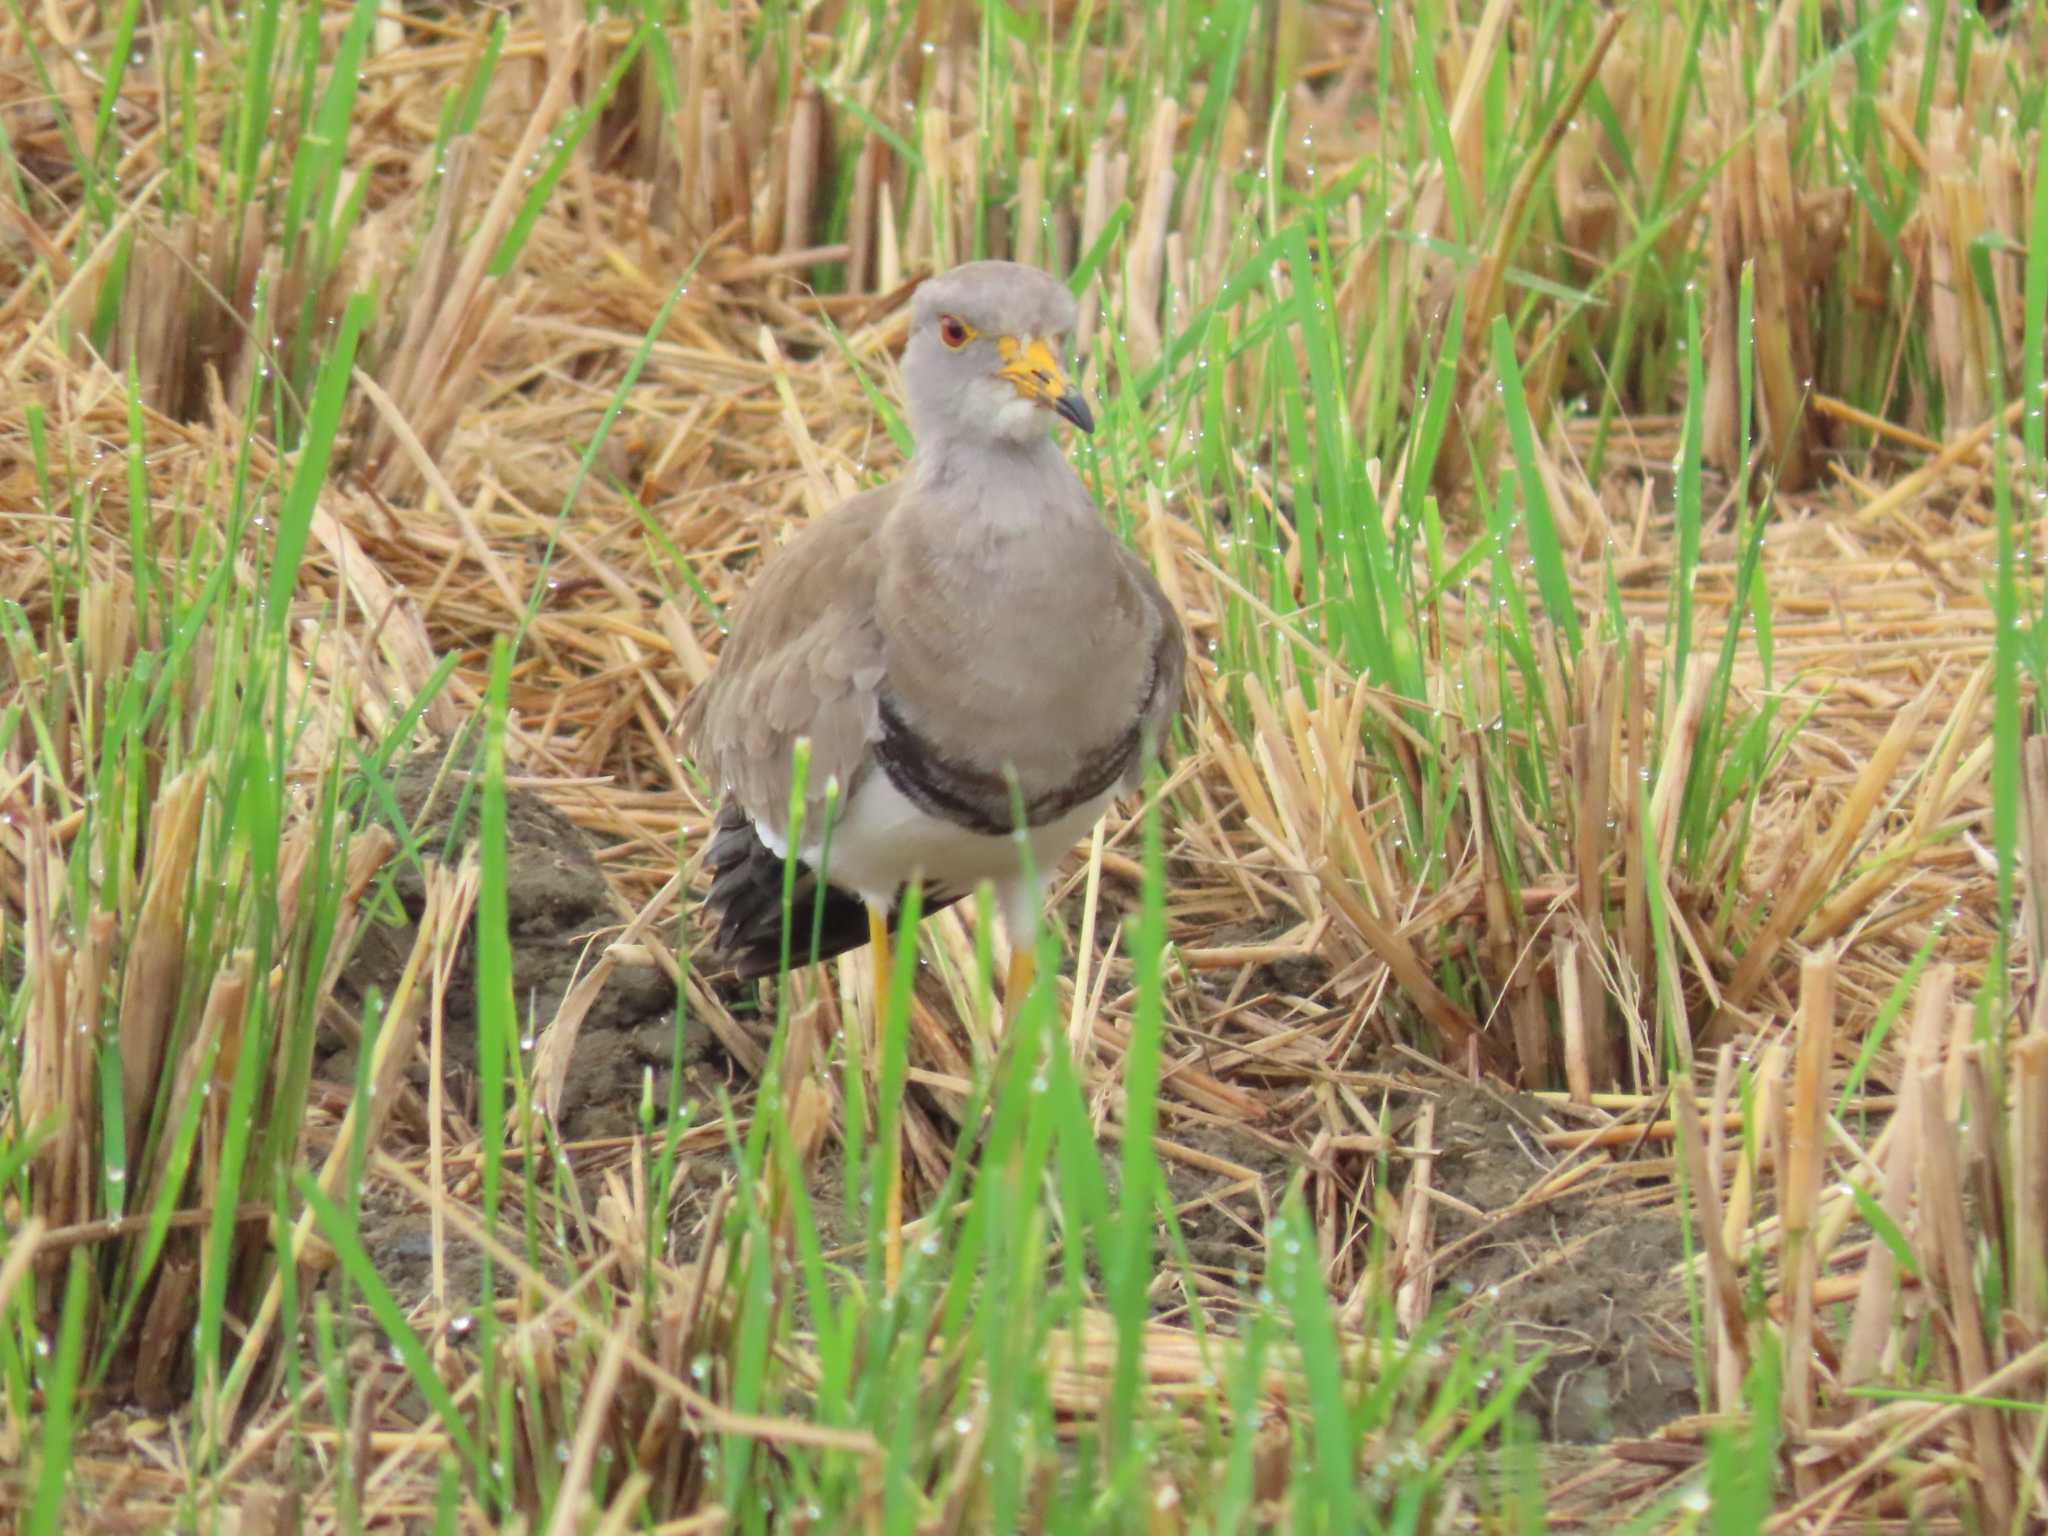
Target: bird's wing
[804, 659]
[1161, 699]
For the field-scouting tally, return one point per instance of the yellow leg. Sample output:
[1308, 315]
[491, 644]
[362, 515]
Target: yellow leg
[892, 1211]
[1017, 985]
[878, 945]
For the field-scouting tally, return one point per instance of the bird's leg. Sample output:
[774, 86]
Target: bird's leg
[892, 1211]
[1020, 898]
[1017, 984]
[878, 945]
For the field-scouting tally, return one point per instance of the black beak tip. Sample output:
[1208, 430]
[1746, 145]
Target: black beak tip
[1074, 406]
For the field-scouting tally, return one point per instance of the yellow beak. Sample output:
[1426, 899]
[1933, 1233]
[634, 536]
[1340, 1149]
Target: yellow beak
[1032, 367]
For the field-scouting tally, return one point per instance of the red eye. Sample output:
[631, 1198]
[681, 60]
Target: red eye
[953, 331]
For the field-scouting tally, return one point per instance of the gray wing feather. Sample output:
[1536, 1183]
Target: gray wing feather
[804, 659]
[1163, 694]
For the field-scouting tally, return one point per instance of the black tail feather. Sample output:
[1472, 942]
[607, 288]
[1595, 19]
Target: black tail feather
[746, 897]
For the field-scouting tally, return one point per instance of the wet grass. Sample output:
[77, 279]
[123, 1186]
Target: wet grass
[1381, 313]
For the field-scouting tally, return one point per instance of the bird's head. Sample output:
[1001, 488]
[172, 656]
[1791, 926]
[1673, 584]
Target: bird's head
[985, 360]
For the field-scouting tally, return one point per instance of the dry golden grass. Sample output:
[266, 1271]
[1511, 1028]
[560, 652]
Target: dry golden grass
[1307, 964]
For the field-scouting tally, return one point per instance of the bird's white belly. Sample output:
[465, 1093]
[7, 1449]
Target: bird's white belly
[882, 840]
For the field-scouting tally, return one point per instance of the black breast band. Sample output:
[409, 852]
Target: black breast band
[977, 800]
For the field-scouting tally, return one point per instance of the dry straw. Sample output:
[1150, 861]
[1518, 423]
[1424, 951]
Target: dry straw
[1309, 954]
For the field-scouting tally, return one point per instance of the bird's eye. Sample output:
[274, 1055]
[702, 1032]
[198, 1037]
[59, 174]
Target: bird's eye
[953, 331]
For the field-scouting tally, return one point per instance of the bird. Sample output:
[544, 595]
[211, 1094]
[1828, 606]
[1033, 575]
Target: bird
[963, 643]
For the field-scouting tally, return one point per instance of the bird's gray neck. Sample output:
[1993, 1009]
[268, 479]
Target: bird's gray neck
[995, 489]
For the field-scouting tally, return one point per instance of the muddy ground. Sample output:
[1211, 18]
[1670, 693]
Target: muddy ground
[1585, 1277]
